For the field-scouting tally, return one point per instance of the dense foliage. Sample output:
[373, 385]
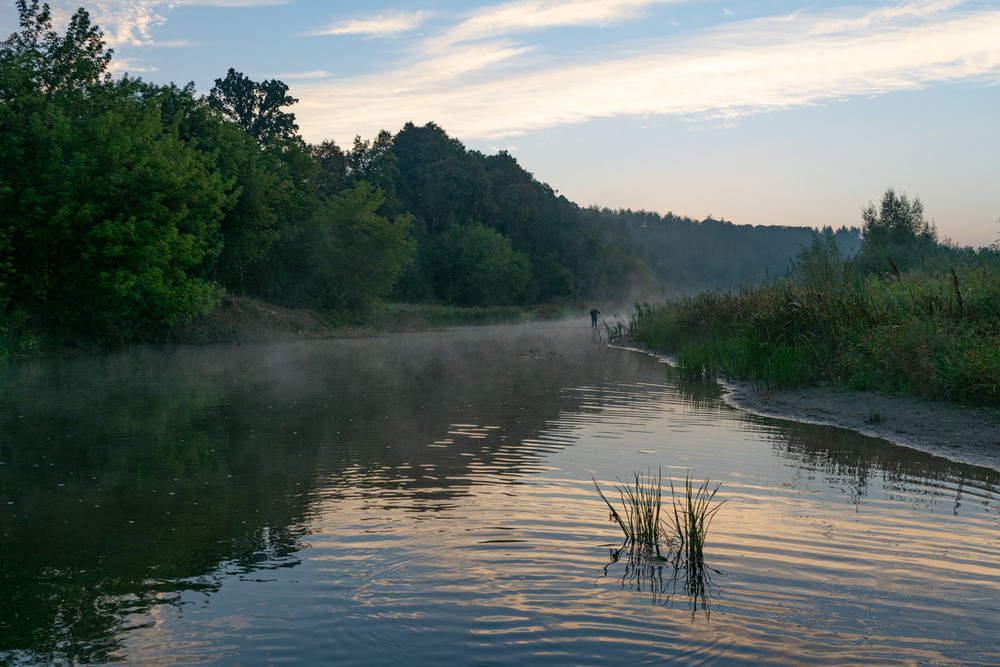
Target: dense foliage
[107, 214]
[128, 207]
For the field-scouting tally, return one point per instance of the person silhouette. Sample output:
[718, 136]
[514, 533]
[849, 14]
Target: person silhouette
[593, 317]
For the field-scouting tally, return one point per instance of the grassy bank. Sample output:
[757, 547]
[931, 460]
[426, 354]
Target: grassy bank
[920, 335]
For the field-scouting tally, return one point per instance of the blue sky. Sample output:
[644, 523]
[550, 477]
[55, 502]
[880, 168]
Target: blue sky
[756, 111]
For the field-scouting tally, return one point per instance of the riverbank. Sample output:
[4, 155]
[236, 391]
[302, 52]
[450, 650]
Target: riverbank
[956, 432]
[949, 430]
[247, 320]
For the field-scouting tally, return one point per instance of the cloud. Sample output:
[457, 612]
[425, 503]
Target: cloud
[132, 23]
[122, 23]
[380, 26]
[541, 14]
[725, 73]
[314, 74]
[229, 3]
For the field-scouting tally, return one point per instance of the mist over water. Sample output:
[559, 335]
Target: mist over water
[428, 498]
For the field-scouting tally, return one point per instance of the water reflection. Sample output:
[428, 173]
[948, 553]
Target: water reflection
[427, 498]
[663, 579]
[857, 462]
[131, 476]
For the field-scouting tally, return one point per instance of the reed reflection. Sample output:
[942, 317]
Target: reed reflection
[662, 579]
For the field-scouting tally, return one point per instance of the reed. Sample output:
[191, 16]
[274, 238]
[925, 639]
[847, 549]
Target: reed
[641, 517]
[924, 335]
[693, 511]
[646, 524]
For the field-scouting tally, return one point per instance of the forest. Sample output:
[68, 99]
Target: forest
[129, 207]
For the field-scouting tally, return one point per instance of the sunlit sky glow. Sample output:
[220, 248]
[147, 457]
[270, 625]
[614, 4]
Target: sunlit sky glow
[759, 112]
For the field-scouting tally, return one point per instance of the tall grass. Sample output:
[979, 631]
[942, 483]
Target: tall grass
[921, 334]
[682, 530]
[692, 514]
[640, 519]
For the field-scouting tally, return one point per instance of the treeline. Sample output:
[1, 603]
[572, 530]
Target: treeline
[486, 231]
[127, 207]
[687, 255]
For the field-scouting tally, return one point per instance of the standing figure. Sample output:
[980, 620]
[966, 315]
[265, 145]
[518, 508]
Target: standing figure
[593, 317]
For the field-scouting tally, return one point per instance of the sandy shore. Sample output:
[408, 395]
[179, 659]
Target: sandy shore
[955, 432]
[958, 433]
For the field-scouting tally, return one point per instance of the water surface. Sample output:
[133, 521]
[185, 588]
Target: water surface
[423, 498]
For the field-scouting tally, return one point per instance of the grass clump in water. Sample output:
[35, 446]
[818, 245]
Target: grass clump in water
[681, 530]
[641, 516]
[692, 514]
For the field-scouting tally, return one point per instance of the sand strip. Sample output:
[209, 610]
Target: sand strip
[956, 432]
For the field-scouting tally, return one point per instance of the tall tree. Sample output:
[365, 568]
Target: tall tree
[898, 219]
[48, 62]
[896, 236]
[473, 265]
[331, 176]
[256, 108]
[348, 256]
[106, 214]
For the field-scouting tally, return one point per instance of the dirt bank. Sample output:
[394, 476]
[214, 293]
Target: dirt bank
[958, 433]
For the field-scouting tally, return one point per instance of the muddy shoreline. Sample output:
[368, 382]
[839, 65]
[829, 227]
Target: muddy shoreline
[955, 432]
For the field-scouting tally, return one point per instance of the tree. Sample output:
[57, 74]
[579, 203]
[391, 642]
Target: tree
[820, 264]
[896, 220]
[50, 63]
[255, 107]
[416, 148]
[473, 265]
[373, 161]
[895, 235]
[106, 215]
[331, 176]
[457, 191]
[348, 257]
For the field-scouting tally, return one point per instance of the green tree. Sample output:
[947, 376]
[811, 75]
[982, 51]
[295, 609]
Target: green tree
[256, 108]
[474, 265]
[898, 219]
[416, 148]
[821, 264]
[331, 176]
[106, 214]
[457, 191]
[895, 235]
[51, 63]
[348, 256]
[374, 161]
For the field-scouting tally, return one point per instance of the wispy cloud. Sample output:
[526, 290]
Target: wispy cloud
[314, 74]
[378, 26]
[122, 23]
[742, 68]
[541, 14]
[229, 3]
[132, 23]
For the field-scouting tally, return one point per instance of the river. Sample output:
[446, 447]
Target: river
[428, 498]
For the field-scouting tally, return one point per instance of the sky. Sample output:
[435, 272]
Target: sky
[764, 112]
